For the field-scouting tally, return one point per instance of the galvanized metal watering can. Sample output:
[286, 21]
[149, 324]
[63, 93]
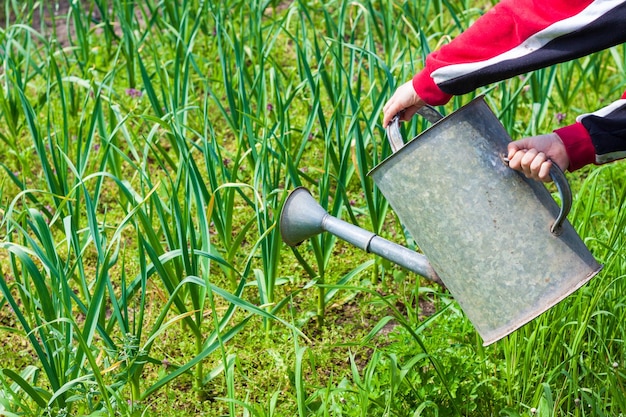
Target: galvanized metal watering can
[499, 242]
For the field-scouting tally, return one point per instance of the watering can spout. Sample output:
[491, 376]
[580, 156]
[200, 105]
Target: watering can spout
[302, 218]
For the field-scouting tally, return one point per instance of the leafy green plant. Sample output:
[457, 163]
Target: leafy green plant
[147, 155]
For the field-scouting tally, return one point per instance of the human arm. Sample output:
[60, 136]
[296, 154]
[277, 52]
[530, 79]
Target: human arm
[512, 38]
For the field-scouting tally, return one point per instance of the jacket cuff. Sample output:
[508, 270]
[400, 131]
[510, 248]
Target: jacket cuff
[428, 91]
[578, 145]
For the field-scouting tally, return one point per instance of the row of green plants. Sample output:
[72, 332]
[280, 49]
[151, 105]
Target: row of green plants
[146, 162]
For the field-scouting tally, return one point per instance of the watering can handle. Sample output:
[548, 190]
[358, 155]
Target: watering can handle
[429, 113]
[565, 192]
[393, 130]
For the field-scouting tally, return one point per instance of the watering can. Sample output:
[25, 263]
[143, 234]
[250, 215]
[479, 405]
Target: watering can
[498, 241]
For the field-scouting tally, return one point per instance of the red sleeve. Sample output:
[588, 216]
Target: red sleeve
[578, 145]
[515, 37]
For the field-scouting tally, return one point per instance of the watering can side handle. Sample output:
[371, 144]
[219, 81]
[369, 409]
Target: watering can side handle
[565, 192]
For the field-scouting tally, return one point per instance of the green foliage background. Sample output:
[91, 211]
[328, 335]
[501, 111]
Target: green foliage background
[148, 148]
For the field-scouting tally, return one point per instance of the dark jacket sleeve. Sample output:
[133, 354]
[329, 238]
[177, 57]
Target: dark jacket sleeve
[598, 137]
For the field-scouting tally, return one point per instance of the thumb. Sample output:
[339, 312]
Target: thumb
[520, 145]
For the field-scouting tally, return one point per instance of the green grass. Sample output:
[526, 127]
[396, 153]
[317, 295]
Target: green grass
[147, 155]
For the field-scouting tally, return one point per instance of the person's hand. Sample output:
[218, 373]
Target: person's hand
[404, 101]
[534, 156]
